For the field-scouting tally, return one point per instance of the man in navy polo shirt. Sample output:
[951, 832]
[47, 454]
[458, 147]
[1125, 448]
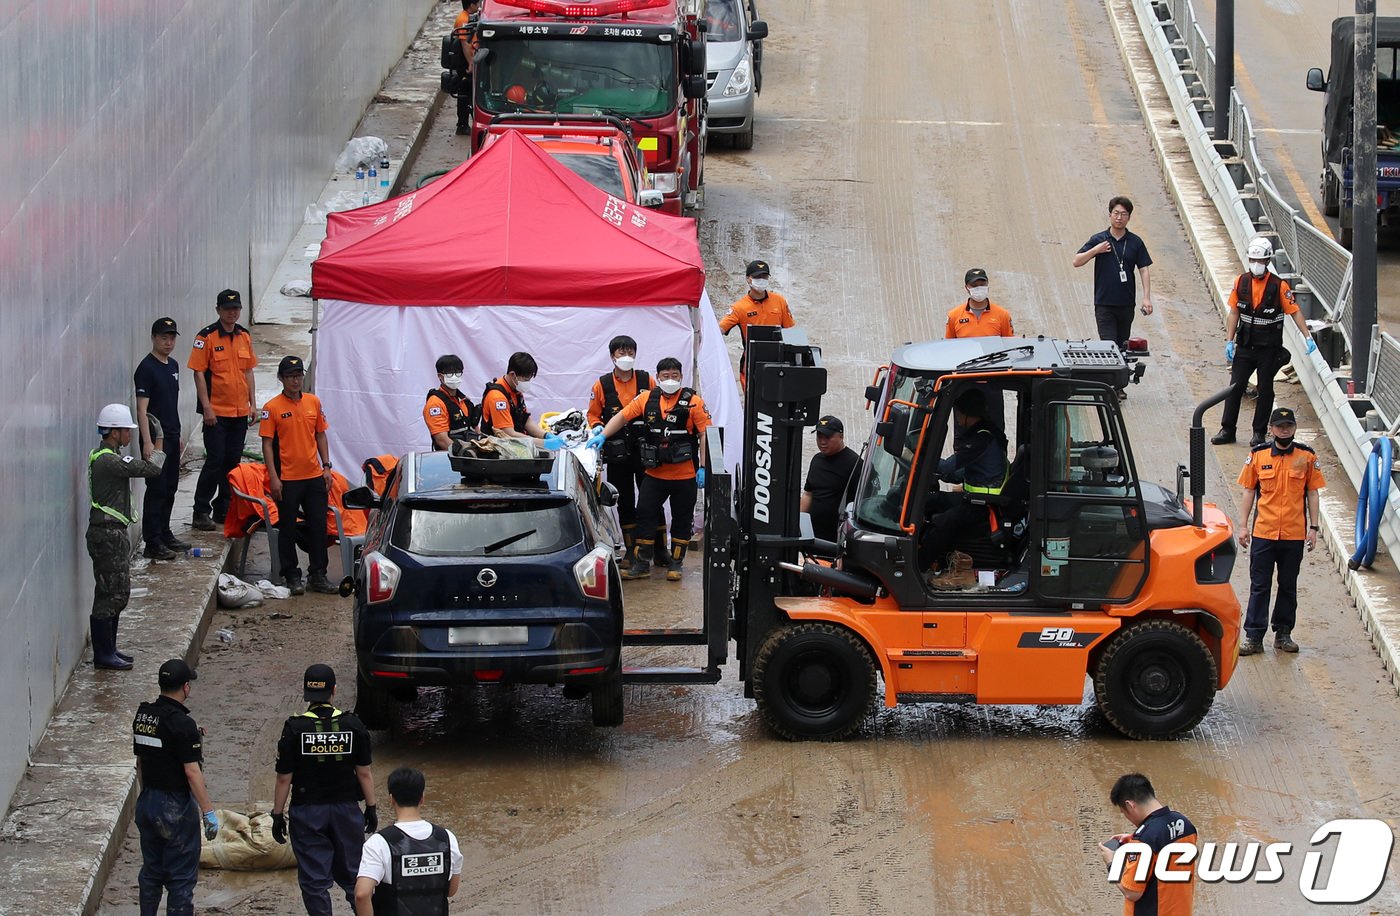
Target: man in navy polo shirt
[1116, 253]
[158, 395]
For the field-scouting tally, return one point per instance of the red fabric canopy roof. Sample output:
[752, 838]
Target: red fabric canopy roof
[510, 226]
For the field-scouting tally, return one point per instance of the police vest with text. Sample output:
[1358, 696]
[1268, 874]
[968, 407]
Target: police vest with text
[1260, 325]
[628, 445]
[419, 873]
[518, 414]
[460, 422]
[324, 768]
[153, 741]
[667, 438]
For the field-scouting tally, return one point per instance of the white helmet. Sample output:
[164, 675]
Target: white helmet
[115, 416]
[1260, 249]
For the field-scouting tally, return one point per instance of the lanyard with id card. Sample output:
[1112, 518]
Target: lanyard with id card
[1122, 269]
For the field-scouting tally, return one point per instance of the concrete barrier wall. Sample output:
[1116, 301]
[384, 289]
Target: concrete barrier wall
[151, 154]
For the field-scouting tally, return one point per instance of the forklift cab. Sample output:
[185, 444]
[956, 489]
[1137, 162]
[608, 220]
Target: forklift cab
[1066, 527]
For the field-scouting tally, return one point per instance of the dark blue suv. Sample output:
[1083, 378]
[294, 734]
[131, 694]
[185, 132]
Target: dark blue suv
[488, 571]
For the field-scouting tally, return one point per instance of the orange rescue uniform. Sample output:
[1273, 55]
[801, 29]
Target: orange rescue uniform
[994, 321]
[1256, 292]
[435, 414]
[1282, 481]
[697, 423]
[497, 409]
[224, 358]
[293, 425]
[770, 310]
[626, 394]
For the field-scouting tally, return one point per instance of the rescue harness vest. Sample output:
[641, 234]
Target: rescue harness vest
[518, 414]
[421, 872]
[1260, 325]
[105, 510]
[620, 448]
[459, 422]
[668, 439]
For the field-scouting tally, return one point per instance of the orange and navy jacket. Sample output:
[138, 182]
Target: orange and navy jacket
[1161, 898]
[697, 422]
[770, 310]
[224, 359]
[994, 321]
[1282, 481]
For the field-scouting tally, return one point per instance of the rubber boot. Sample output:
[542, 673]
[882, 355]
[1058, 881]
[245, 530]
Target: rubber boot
[641, 564]
[662, 555]
[116, 625]
[629, 546]
[957, 574]
[104, 641]
[678, 549]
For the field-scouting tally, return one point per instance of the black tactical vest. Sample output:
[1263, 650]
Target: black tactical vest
[323, 771]
[1261, 325]
[459, 421]
[518, 414]
[668, 439]
[420, 871]
[625, 446]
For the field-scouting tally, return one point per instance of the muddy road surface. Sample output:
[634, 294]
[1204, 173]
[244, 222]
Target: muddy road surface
[898, 145]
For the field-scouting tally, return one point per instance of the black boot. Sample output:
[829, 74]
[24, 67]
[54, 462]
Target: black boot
[1224, 437]
[641, 563]
[629, 546]
[662, 556]
[104, 637]
[116, 625]
[678, 549]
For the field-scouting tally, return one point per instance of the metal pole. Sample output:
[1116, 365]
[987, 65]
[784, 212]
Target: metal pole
[1224, 66]
[1363, 249]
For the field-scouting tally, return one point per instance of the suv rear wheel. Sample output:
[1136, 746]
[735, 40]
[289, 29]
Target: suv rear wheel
[372, 703]
[1155, 679]
[814, 680]
[607, 702]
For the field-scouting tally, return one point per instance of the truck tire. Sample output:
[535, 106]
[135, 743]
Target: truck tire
[1331, 194]
[607, 702]
[744, 140]
[372, 703]
[814, 680]
[1155, 679]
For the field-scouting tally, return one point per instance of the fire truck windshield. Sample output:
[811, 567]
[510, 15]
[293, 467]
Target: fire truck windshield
[566, 76]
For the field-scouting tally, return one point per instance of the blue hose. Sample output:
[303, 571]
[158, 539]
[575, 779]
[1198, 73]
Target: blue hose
[1370, 504]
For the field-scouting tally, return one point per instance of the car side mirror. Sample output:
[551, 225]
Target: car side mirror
[693, 86]
[872, 394]
[695, 52]
[361, 498]
[651, 198]
[758, 30]
[608, 495]
[894, 431]
[1315, 81]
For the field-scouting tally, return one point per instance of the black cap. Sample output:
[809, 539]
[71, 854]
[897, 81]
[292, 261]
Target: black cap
[290, 364]
[829, 426]
[164, 326]
[228, 297]
[1282, 415]
[176, 673]
[317, 683]
[973, 275]
[756, 269]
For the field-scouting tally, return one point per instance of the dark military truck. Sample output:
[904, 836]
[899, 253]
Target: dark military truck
[1337, 132]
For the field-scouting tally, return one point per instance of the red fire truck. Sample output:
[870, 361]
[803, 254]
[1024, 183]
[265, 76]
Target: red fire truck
[642, 61]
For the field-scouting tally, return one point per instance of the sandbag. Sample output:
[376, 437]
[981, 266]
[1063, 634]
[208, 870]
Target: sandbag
[234, 593]
[245, 843]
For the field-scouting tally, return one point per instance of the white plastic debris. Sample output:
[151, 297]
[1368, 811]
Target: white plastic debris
[361, 151]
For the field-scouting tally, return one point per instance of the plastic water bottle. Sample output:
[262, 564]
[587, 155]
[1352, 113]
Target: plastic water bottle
[372, 185]
[384, 176]
[225, 635]
[140, 591]
[201, 552]
[360, 184]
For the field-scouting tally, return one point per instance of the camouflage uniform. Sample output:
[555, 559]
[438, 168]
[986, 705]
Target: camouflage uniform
[108, 543]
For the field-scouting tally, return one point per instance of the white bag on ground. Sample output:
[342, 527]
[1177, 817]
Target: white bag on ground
[361, 150]
[245, 843]
[234, 593]
[274, 591]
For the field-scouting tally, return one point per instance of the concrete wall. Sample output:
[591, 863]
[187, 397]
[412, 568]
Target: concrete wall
[151, 154]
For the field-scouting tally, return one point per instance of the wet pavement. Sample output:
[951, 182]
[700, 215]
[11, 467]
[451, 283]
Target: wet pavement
[894, 151]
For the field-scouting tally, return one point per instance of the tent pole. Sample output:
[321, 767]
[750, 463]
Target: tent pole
[315, 323]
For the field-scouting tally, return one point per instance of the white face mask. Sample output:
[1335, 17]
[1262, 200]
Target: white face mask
[452, 381]
[669, 385]
[1257, 269]
[758, 284]
[625, 363]
[977, 293]
[523, 385]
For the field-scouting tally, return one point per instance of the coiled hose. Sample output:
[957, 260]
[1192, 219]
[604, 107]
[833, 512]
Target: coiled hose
[1370, 504]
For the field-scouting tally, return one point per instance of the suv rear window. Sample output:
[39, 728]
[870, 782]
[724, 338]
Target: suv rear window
[479, 528]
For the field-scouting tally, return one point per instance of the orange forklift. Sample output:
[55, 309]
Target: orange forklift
[1085, 570]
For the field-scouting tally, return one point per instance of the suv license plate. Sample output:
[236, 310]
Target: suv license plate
[488, 636]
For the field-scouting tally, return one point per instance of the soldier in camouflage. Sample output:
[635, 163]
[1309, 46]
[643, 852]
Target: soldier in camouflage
[108, 540]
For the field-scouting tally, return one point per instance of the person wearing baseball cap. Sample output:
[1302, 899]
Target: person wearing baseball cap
[831, 478]
[1280, 480]
[169, 750]
[758, 306]
[222, 361]
[324, 766]
[979, 316]
[157, 381]
[297, 456]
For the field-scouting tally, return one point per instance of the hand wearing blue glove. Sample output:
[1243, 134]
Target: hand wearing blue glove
[1312, 345]
[700, 478]
[211, 825]
[596, 440]
[553, 442]
[1230, 350]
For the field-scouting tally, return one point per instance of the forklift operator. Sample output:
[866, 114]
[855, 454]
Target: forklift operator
[978, 465]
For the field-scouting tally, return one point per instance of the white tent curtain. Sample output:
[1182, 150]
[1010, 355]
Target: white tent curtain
[374, 363]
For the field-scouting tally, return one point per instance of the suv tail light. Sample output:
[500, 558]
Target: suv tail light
[381, 577]
[592, 573]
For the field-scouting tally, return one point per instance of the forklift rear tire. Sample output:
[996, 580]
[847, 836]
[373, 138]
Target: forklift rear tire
[814, 680]
[372, 703]
[607, 703]
[1155, 679]
[1331, 194]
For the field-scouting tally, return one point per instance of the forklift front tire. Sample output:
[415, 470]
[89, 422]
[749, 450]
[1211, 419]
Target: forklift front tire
[814, 681]
[1155, 679]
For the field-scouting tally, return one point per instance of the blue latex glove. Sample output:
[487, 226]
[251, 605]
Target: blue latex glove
[553, 442]
[1312, 345]
[1230, 350]
[700, 478]
[596, 440]
[211, 825]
